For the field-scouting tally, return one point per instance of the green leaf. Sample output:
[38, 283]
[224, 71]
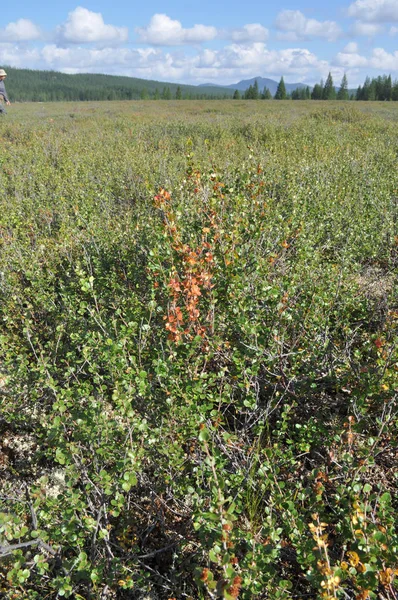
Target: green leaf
[385, 498]
[204, 435]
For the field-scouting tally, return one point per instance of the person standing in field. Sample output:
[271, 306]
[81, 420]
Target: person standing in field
[3, 92]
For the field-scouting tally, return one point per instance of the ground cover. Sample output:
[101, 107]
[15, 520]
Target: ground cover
[198, 350]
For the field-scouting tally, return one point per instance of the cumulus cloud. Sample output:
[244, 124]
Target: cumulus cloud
[83, 25]
[366, 29]
[374, 11]
[253, 32]
[164, 31]
[22, 30]
[242, 60]
[351, 60]
[383, 60]
[225, 65]
[294, 26]
[77, 59]
[20, 56]
[393, 31]
[351, 48]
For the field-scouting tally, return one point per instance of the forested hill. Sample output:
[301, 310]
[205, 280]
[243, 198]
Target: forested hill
[25, 85]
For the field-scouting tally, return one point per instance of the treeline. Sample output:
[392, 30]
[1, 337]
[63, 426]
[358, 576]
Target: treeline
[25, 85]
[253, 93]
[378, 88]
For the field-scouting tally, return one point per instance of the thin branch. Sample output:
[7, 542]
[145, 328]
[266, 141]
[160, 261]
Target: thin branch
[7, 550]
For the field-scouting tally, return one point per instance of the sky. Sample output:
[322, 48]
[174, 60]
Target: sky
[204, 41]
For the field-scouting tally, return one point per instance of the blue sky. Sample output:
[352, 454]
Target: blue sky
[205, 41]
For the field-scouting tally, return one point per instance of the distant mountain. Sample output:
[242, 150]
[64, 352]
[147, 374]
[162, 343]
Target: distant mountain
[262, 82]
[216, 85]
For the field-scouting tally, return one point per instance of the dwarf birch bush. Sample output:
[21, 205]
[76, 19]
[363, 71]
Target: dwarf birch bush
[198, 351]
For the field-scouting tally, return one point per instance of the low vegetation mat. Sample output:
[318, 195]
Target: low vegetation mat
[198, 351]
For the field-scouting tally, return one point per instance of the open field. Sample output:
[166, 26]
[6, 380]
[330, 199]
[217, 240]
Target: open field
[198, 350]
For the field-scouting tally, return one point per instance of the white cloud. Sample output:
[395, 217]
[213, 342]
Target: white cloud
[82, 26]
[384, 61]
[351, 48]
[393, 31]
[225, 65]
[228, 64]
[249, 60]
[295, 26]
[20, 56]
[208, 58]
[366, 29]
[253, 32]
[106, 60]
[350, 60]
[22, 30]
[374, 11]
[163, 31]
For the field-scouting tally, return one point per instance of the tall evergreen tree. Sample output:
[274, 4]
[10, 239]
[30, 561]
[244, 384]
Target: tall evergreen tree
[366, 89]
[266, 95]
[387, 88]
[178, 93]
[236, 95]
[248, 95]
[252, 92]
[317, 92]
[281, 91]
[371, 90]
[394, 91]
[342, 94]
[256, 94]
[329, 93]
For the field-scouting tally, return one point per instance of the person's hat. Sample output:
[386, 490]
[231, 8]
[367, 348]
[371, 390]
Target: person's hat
[3, 73]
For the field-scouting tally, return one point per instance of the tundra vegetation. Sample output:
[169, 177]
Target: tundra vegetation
[198, 351]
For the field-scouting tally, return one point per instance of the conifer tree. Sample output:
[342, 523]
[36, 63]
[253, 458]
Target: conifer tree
[329, 93]
[255, 90]
[366, 89]
[281, 91]
[178, 93]
[371, 91]
[387, 88]
[317, 92]
[394, 91]
[236, 95]
[342, 94]
[266, 95]
[248, 95]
